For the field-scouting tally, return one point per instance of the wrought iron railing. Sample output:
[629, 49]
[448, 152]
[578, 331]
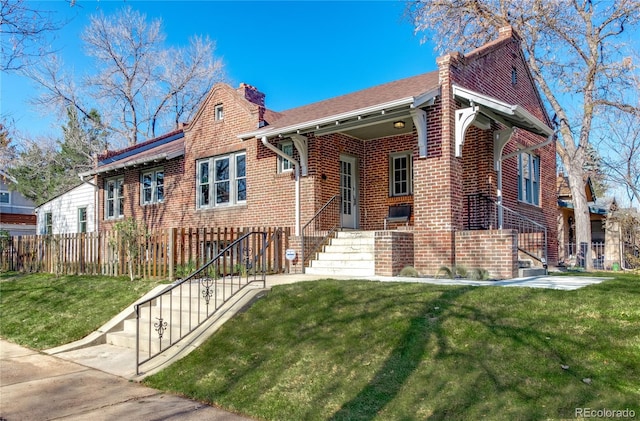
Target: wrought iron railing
[169, 316]
[483, 213]
[321, 227]
[575, 255]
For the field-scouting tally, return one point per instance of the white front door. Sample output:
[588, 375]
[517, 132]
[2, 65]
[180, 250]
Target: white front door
[349, 191]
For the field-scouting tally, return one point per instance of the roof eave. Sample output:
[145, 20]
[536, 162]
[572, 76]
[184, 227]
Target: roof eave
[311, 125]
[504, 108]
[165, 156]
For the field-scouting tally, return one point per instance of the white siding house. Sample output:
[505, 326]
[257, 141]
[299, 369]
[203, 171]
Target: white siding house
[71, 212]
[16, 211]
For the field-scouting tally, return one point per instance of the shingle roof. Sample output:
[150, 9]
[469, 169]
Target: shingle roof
[380, 94]
[162, 148]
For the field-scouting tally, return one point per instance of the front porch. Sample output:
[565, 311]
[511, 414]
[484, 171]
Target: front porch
[387, 252]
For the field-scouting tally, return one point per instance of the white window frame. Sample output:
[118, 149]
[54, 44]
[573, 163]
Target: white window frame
[82, 223]
[7, 194]
[218, 112]
[529, 179]
[393, 192]
[285, 165]
[235, 181]
[48, 223]
[153, 189]
[117, 199]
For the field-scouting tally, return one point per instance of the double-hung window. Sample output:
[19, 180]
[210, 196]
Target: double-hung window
[152, 189]
[5, 197]
[82, 219]
[114, 198]
[222, 180]
[529, 178]
[400, 174]
[284, 164]
[48, 223]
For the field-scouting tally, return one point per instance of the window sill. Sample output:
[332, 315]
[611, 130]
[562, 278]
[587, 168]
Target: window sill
[222, 208]
[529, 204]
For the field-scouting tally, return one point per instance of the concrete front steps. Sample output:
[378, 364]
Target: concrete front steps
[526, 268]
[350, 253]
[182, 312]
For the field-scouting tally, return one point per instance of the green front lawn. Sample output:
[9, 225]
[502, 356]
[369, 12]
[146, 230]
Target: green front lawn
[357, 350]
[42, 311]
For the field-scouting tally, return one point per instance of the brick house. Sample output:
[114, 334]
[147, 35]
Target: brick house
[466, 149]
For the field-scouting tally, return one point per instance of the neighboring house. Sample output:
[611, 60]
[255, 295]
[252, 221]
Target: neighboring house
[604, 248]
[16, 211]
[69, 213]
[446, 146]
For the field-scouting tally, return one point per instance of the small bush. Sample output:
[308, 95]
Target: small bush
[453, 272]
[479, 274]
[409, 271]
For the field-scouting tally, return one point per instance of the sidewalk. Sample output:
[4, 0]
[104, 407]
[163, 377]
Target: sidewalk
[36, 386]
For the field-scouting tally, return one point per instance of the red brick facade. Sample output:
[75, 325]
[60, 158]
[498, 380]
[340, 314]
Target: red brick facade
[441, 181]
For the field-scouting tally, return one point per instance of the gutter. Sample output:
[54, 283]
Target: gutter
[296, 165]
[313, 124]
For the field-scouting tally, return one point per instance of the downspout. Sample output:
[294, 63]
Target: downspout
[296, 171]
[96, 192]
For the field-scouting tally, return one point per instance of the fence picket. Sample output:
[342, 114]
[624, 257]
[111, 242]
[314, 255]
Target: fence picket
[161, 251]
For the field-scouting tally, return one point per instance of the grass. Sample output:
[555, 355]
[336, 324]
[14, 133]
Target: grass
[42, 311]
[357, 350]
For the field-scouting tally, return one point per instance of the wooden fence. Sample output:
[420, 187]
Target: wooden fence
[169, 253]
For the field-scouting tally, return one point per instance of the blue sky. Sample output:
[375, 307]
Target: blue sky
[296, 52]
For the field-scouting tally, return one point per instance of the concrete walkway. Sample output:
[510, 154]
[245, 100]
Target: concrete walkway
[91, 383]
[36, 386]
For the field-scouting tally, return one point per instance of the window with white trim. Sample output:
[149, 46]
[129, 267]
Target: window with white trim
[221, 180]
[529, 179]
[5, 197]
[152, 188]
[114, 198]
[400, 174]
[82, 219]
[219, 112]
[285, 165]
[48, 223]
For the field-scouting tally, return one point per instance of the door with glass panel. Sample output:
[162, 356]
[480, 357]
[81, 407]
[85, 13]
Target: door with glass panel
[349, 191]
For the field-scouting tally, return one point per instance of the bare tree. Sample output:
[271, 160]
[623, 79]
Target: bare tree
[23, 33]
[620, 142]
[140, 87]
[575, 50]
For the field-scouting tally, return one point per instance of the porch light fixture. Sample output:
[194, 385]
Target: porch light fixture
[398, 124]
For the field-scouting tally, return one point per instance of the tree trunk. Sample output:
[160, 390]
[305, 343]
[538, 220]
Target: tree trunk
[581, 217]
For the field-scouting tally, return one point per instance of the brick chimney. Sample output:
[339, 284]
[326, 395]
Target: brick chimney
[251, 94]
[505, 32]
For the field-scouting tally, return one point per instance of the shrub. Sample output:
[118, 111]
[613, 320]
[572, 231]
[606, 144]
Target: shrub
[409, 271]
[479, 274]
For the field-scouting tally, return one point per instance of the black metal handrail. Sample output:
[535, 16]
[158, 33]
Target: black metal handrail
[483, 213]
[323, 224]
[172, 314]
